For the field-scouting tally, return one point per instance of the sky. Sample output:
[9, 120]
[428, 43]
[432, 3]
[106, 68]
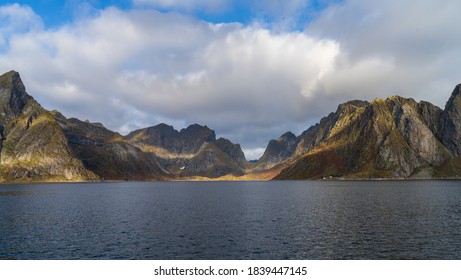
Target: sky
[251, 70]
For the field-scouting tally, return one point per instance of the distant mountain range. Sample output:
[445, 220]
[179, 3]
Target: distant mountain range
[384, 139]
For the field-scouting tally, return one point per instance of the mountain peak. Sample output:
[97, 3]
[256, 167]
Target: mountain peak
[199, 132]
[10, 73]
[278, 150]
[451, 122]
[400, 99]
[351, 106]
[10, 80]
[195, 127]
[13, 96]
[356, 103]
[455, 99]
[286, 136]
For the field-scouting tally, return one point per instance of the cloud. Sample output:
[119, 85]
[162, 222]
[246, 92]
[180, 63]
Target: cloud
[16, 19]
[392, 47]
[282, 14]
[129, 69]
[181, 5]
[278, 15]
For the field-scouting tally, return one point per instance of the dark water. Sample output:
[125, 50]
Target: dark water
[232, 220]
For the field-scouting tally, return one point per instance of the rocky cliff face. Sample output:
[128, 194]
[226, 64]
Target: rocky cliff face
[450, 130]
[233, 151]
[33, 147]
[184, 143]
[392, 138]
[193, 151]
[107, 153]
[13, 97]
[38, 145]
[277, 151]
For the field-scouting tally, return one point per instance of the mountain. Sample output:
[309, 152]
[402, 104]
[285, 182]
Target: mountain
[450, 130]
[106, 153]
[193, 151]
[33, 146]
[392, 138]
[277, 151]
[386, 138]
[39, 145]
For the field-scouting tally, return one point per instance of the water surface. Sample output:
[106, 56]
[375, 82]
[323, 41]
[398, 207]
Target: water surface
[232, 220]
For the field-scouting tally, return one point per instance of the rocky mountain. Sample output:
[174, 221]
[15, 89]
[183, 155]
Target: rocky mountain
[392, 138]
[385, 138]
[33, 146]
[277, 151]
[450, 123]
[192, 151]
[107, 153]
[38, 145]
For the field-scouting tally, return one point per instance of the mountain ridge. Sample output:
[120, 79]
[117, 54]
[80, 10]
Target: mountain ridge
[387, 138]
[392, 138]
[192, 151]
[33, 148]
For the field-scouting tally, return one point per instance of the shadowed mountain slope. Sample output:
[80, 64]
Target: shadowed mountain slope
[192, 151]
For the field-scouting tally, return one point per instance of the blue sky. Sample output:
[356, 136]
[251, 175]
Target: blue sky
[250, 70]
[55, 13]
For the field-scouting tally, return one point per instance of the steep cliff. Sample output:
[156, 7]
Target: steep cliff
[277, 151]
[450, 130]
[193, 151]
[107, 153]
[33, 146]
[392, 138]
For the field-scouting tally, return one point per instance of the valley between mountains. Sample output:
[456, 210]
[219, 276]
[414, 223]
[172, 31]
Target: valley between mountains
[393, 138]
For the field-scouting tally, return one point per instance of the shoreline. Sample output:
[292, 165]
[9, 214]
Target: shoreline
[193, 180]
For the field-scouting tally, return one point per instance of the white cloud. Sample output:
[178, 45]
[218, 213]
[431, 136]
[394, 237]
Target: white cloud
[16, 19]
[152, 67]
[282, 14]
[279, 15]
[409, 48]
[252, 154]
[186, 5]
